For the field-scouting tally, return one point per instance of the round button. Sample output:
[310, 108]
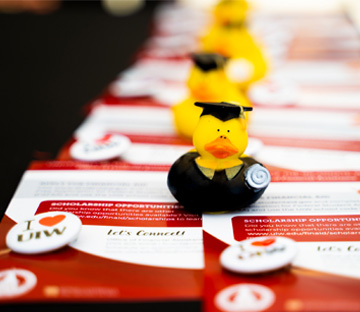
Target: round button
[239, 70]
[259, 255]
[44, 232]
[97, 149]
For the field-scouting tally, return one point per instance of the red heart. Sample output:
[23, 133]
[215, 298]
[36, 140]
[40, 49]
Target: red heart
[50, 221]
[104, 139]
[264, 243]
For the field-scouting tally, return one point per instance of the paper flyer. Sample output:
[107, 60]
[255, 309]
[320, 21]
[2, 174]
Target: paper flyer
[322, 217]
[136, 242]
[288, 138]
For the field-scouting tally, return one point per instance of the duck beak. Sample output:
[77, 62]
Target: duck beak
[221, 147]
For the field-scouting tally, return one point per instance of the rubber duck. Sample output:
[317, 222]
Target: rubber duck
[230, 37]
[217, 176]
[207, 82]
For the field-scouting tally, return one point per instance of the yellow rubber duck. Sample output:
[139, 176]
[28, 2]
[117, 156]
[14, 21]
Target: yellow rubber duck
[230, 37]
[216, 175]
[207, 82]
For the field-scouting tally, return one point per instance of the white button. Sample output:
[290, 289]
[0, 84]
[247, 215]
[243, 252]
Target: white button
[97, 149]
[259, 255]
[44, 232]
[239, 70]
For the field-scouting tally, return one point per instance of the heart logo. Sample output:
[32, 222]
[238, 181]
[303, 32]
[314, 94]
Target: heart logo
[104, 139]
[264, 243]
[51, 221]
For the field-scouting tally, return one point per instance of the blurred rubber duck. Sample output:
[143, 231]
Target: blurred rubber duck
[207, 82]
[216, 176]
[230, 37]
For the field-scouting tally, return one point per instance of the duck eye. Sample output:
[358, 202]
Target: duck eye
[228, 131]
[218, 130]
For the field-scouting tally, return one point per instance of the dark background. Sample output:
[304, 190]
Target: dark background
[51, 66]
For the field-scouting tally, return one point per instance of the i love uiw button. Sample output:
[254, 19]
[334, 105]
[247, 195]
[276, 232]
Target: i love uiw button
[44, 232]
[107, 147]
[259, 255]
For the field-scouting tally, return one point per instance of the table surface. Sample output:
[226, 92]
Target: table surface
[51, 67]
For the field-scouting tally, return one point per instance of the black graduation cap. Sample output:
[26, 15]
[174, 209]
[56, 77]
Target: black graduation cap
[223, 111]
[208, 61]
